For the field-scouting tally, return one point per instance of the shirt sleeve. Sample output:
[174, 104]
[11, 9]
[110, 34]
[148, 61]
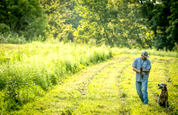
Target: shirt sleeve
[134, 63]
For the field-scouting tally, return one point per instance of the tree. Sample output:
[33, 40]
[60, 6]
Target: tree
[63, 19]
[23, 17]
[162, 18]
[96, 17]
[113, 23]
[172, 30]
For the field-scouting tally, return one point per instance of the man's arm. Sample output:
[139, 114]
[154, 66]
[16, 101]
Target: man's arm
[136, 70]
[148, 67]
[146, 71]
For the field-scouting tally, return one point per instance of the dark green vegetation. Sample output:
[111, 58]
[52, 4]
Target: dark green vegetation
[23, 17]
[122, 23]
[162, 18]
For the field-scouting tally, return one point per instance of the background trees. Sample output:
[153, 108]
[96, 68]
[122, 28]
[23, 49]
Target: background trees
[62, 18]
[121, 23]
[114, 23]
[162, 18]
[25, 17]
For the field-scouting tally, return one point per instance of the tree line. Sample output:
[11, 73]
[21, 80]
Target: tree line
[121, 23]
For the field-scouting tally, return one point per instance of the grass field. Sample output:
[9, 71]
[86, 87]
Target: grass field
[29, 71]
[105, 88]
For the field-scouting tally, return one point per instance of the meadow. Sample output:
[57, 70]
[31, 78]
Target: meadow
[57, 78]
[29, 71]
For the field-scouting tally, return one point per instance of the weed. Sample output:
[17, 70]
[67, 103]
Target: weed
[11, 96]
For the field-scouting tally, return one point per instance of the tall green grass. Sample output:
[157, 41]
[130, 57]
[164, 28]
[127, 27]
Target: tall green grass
[12, 38]
[37, 67]
[109, 89]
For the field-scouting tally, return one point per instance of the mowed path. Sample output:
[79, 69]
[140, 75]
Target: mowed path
[105, 89]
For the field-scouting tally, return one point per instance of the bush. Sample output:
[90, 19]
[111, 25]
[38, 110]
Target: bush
[4, 28]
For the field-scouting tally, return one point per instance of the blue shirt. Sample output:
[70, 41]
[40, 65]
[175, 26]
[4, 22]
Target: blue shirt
[146, 65]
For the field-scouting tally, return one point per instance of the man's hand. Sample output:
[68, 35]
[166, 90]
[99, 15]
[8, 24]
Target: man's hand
[140, 71]
[136, 70]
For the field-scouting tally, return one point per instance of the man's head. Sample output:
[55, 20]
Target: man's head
[144, 55]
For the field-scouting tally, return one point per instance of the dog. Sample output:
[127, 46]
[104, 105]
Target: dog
[163, 96]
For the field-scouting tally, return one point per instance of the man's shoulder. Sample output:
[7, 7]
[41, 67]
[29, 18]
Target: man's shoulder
[137, 58]
[148, 60]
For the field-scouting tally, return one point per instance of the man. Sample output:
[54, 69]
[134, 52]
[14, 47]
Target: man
[142, 66]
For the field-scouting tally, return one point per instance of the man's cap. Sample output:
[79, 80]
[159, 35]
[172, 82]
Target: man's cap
[145, 54]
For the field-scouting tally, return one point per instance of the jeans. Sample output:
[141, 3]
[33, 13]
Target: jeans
[142, 91]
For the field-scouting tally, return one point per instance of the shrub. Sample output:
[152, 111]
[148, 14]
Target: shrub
[4, 28]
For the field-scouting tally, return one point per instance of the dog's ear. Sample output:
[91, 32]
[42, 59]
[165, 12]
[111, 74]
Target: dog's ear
[165, 84]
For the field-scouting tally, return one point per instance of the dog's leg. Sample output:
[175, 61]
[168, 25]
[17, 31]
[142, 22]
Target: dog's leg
[166, 102]
[158, 101]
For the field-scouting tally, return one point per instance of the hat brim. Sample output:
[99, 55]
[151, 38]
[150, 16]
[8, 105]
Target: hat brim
[145, 56]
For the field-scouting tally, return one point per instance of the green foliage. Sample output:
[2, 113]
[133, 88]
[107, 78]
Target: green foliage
[36, 68]
[37, 29]
[176, 48]
[13, 38]
[162, 18]
[4, 28]
[11, 96]
[153, 51]
[62, 19]
[173, 21]
[67, 34]
[120, 23]
[25, 17]
[98, 17]
[114, 23]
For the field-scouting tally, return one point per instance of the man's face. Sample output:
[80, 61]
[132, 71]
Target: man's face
[142, 57]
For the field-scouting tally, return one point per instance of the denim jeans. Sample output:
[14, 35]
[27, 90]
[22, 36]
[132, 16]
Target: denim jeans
[142, 91]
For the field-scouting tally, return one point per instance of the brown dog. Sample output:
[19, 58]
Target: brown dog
[163, 96]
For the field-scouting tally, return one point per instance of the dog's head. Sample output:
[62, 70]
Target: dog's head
[162, 86]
